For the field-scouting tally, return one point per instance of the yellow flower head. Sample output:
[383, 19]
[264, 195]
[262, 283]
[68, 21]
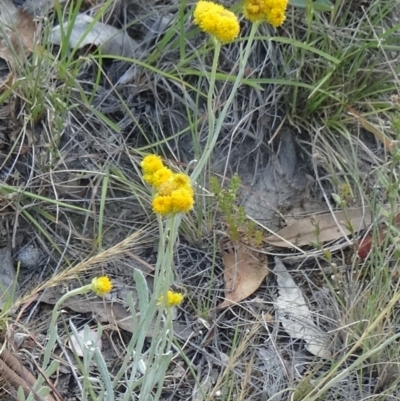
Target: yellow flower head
[172, 299]
[101, 285]
[179, 201]
[181, 180]
[276, 17]
[150, 164]
[166, 188]
[216, 20]
[174, 191]
[159, 177]
[182, 200]
[162, 205]
[177, 181]
[254, 10]
[271, 11]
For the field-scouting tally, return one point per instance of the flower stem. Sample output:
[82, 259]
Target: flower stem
[53, 324]
[215, 127]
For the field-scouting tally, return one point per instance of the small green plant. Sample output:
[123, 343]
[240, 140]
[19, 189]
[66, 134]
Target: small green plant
[238, 225]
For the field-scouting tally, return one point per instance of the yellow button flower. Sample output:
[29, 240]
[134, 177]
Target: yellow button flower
[174, 193]
[162, 205]
[182, 200]
[254, 10]
[216, 20]
[177, 181]
[182, 180]
[276, 17]
[172, 299]
[101, 285]
[159, 177]
[151, 163]
[271, 11]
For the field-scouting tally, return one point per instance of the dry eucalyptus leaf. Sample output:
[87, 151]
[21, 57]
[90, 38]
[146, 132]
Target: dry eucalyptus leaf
[112, 41]
[74, 343]
[322, 228]
[17, 33]
[295, 316]
[243, 274]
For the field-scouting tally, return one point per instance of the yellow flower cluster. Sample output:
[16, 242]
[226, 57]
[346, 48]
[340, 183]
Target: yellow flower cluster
[172, 299]
[216, 20]
[174, 193]
[272, 11]
[101, 285]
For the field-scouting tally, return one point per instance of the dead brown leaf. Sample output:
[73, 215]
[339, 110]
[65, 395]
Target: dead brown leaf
[17, 36]
[321, 228]
[365, 244]
[244, 272]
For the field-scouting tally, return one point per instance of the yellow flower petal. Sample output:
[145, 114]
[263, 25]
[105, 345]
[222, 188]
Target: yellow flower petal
[101, 285]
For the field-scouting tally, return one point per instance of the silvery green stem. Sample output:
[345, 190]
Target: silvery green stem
[215, 128]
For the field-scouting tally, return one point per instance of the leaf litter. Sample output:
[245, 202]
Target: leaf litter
[244, 271]
[17, 30]
[86, 31]
[280, 188]
[322, 228]
[294, 314]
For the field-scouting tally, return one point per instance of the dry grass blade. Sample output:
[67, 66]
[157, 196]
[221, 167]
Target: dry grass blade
[388, 143]
[121, 248]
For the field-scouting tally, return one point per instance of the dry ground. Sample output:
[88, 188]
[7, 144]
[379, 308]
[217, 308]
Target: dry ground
[70, 147]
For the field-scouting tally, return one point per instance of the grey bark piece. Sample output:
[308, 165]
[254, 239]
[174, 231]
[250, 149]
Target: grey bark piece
[280, 180]
[8, 286]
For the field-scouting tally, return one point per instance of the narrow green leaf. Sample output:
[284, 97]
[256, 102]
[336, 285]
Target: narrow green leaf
[298, 3]
[322, 5]
[142, 290]
[318, 5]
